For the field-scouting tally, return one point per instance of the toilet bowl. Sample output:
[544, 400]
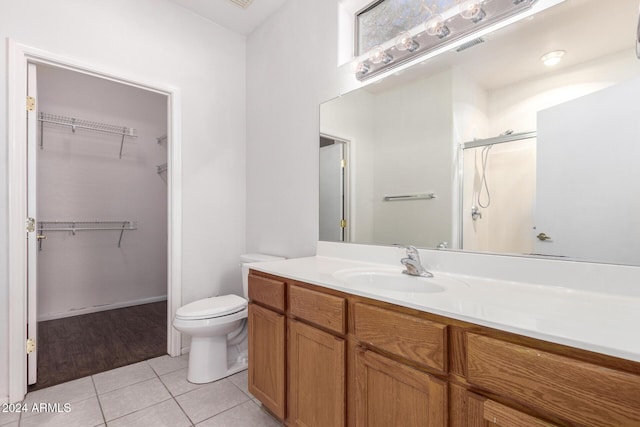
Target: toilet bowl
[218, 330]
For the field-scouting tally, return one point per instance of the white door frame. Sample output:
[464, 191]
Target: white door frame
[19, 56]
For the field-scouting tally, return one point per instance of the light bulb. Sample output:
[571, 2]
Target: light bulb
[472, 9]
[378, 55]
[362, 67]
[552, 58]
[405, 41]
[435, 27]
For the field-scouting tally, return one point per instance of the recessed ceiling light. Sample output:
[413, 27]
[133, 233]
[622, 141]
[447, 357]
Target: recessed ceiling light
[552, 58]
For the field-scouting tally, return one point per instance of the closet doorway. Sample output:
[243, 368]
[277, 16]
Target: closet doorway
[93, 172]
[99, 254]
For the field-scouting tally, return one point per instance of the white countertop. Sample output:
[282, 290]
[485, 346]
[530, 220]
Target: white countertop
[597, 321]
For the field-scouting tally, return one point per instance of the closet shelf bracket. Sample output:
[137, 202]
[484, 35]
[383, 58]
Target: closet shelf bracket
[162, 168]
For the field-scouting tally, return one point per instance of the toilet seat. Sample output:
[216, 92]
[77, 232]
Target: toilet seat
[213, 307]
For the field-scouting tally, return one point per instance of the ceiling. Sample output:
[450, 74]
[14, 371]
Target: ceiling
[232, 16]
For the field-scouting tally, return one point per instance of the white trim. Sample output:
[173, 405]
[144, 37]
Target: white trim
[99, 308]
[16, 135]
[18, 57]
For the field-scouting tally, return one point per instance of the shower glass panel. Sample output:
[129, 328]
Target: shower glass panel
[498, 194]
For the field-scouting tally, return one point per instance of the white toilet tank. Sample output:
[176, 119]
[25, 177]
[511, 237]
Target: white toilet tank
[249, 258]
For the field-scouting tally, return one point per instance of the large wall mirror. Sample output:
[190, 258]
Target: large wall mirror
[487, 149]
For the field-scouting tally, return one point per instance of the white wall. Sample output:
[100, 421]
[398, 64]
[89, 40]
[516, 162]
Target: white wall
[291, 69]
[157, 41]
[81, 177]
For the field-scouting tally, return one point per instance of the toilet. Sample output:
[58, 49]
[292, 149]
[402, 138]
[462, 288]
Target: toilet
[218, 330]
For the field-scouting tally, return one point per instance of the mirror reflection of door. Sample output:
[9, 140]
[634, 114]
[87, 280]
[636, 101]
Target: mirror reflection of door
[587, 199]
[333, 218]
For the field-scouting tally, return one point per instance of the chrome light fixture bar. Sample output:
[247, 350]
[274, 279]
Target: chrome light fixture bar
[467, 17]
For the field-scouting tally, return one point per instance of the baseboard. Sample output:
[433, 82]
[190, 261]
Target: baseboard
[99, 308]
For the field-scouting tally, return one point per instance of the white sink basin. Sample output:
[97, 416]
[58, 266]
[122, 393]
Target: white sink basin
[391, 280]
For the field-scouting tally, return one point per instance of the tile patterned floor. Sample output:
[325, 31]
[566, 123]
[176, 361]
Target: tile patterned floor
[153, 393]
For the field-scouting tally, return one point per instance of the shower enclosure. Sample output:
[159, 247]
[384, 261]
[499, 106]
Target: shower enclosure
[498, 194]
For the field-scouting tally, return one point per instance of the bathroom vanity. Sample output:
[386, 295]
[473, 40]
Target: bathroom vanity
[325, 352]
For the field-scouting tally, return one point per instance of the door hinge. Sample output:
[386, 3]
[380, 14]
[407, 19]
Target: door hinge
[31, 225]
[31, 345]
[343, 163]
[343, 223]
[31, 103]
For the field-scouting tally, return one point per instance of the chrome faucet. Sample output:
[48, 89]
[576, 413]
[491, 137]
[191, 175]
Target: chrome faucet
[413, 264]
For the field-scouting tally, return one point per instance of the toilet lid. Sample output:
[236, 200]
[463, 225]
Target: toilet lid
[212, 307]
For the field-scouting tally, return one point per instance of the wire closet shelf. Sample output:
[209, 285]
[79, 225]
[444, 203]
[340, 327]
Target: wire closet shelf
[74, 124]
[74, 226]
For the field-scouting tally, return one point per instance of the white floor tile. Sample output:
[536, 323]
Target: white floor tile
[9, 417]
[85, 413]
[165, 414]
[122, 377]
[246, 415]
[123, 401]
[177, 382]
[211, 399]
[69, 392]
[165, 364]
[241, 380]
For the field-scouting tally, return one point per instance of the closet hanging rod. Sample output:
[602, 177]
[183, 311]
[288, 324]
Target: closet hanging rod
[75, 226]
[75, 123]
[85, 225]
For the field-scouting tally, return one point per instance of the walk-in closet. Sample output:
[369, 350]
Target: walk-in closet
[99, 164]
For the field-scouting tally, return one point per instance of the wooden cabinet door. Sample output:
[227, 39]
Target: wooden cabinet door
[389, 393]
[267, 358]
[316, 377]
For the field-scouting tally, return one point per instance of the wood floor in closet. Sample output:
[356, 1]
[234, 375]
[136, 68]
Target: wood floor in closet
[74, 347]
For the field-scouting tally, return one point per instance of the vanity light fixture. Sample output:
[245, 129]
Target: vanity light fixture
[442, 29]
[552, 58]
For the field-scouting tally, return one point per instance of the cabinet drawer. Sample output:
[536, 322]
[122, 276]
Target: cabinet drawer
[574, 390]
[327, 311]
[269, 292]
[413, 338]
[484, 412]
